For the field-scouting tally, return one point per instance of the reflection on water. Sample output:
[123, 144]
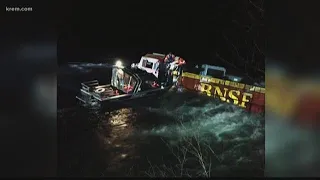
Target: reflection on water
[113, 131]
[124, 141]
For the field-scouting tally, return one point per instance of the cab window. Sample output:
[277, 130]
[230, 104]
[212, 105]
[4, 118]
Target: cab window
[215, 73]
[147, 64]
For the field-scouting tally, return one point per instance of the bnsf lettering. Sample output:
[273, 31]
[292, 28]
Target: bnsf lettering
[226, 95]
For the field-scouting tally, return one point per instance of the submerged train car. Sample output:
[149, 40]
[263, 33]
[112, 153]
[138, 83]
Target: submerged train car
[249, 97]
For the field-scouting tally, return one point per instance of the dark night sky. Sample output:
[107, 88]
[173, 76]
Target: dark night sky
[131, 29]
[89, 32]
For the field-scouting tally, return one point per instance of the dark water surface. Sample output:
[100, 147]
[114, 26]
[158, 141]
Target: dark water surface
[149, 139]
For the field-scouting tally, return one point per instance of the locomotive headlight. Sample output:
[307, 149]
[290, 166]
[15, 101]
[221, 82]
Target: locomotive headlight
[133, 65]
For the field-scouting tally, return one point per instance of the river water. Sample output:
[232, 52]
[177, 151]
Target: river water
[174, 135]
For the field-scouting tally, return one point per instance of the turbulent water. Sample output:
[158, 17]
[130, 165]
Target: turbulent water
[175, 135]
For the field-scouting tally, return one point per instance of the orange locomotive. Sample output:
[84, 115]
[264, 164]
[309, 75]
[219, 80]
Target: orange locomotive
[230, 90]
